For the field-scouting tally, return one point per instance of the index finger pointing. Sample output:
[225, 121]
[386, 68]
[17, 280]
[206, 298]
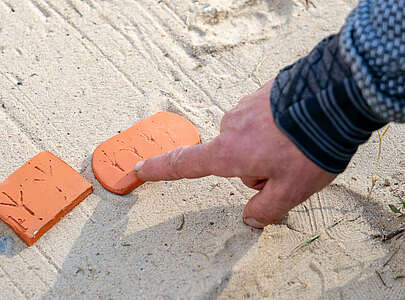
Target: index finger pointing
[183, 162]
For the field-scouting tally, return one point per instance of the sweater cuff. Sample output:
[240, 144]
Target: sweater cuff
[327, 122]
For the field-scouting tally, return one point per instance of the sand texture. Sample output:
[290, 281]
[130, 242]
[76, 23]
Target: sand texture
[76, 72]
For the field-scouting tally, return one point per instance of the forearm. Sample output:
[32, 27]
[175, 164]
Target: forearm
[330, 101]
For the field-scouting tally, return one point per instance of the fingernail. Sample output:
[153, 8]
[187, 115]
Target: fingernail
[138, 166]
[253, 222]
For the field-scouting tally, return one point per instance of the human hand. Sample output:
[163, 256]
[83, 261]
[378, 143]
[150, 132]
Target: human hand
[252, 147]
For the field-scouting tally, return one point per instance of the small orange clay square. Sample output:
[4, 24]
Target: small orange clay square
[39, 194]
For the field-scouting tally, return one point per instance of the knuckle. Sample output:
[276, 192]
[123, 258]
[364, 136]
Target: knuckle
[175, 162]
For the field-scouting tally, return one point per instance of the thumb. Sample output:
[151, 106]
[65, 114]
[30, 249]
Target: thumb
[184, 162]
[268, 206]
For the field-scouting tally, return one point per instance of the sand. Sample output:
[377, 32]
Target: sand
[74, 73]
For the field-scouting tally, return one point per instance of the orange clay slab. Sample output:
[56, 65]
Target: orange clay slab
[113, 160]
[39, 194]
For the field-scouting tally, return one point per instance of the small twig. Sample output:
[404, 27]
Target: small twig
[392, 234]
[293, 229]
[316, 236]
[307, 2]
[373, 182]
[379, 146]
[334, 224]
[379, 276]
[392, 255]
[331, 226]
[181, 224]
[352, 220]
[380, 136]
[307, 242]
[386, 129]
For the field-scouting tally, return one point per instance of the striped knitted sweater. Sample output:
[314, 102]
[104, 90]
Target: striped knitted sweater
[351, 84]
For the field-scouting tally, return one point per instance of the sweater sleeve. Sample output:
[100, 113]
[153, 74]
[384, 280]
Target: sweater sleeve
[372, 43]
[351, 84]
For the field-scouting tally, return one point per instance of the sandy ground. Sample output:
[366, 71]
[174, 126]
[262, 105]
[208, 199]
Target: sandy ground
[75, 72]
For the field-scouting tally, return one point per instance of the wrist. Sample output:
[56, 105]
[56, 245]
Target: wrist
[318, 105]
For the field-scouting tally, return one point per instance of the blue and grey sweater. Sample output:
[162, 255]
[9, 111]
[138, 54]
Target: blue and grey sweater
[351, 84]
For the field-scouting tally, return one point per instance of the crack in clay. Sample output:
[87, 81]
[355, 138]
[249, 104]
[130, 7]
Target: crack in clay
[119, 167]
[11, 199]
[15, 204]
[146, 137]
[23, 205]
[19, 223]
[21, 198]
[165, 131]
[113, 162]
[132, 150]
[39, 169]
[40, 180]
[170, 137]
[150, 139]
[29, 210]
[7, 204]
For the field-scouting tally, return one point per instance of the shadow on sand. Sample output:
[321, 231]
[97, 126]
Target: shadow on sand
[159, 262]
